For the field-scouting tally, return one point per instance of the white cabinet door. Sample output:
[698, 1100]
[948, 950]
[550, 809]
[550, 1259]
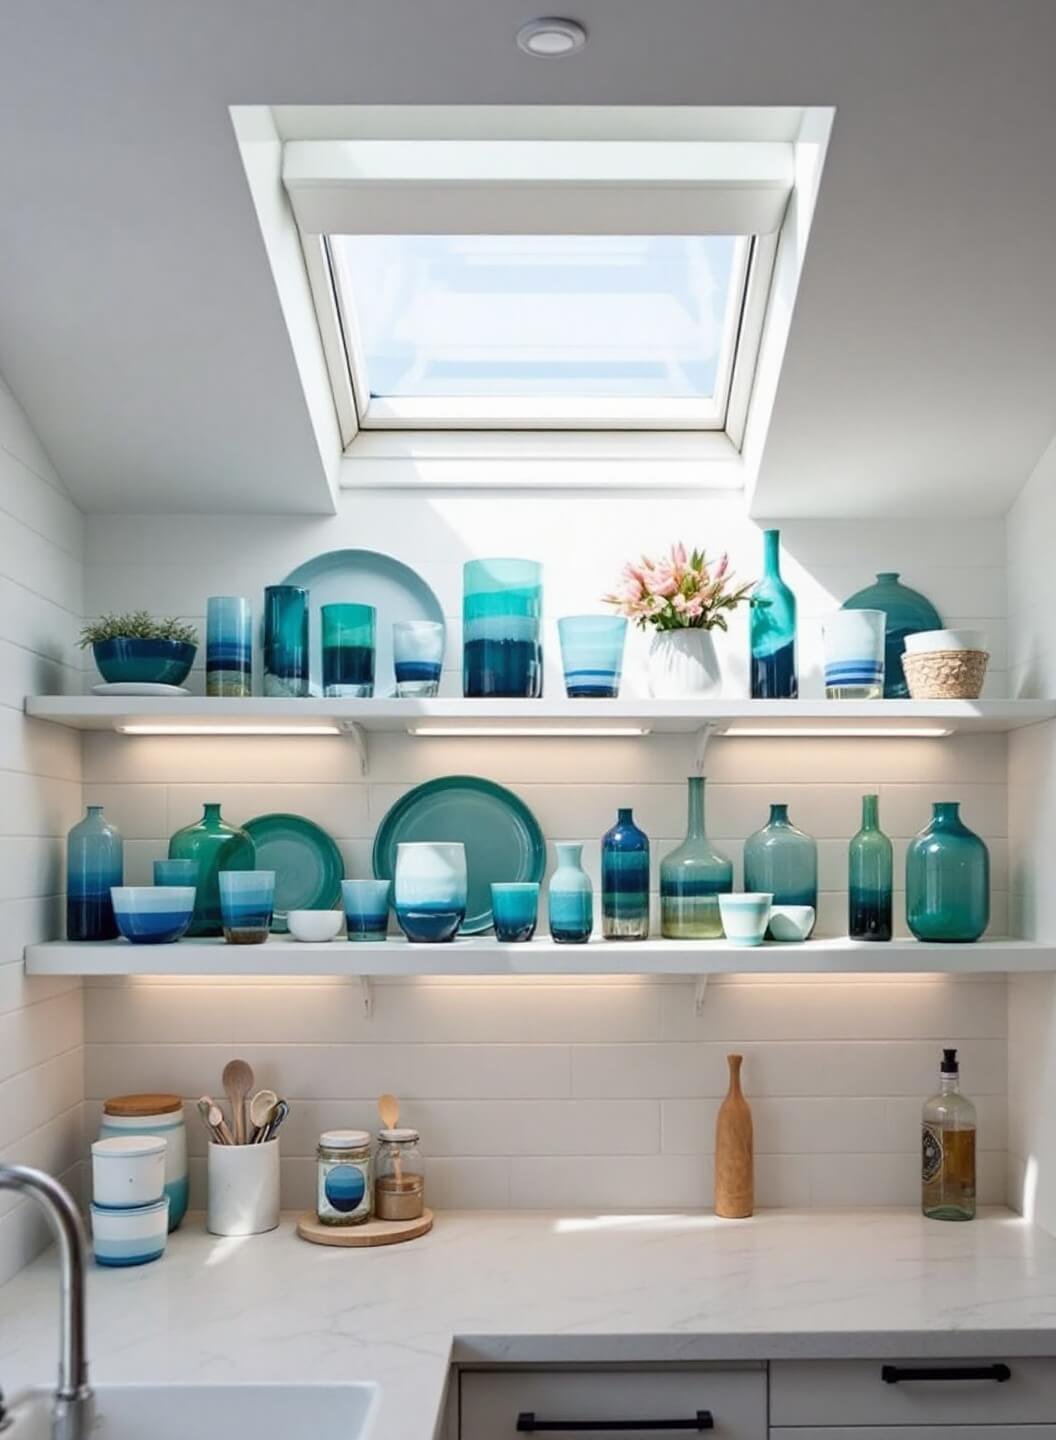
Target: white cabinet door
[512, 1405]
[916, 1432]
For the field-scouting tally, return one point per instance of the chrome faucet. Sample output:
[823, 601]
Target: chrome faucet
[71, 1413]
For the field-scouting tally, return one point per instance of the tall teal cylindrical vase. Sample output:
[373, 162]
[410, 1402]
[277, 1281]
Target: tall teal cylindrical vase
[692, 878]
[502, 614]
[213, 845]
[94, 862]
[782, 860]
[570, 896]
[772, 628]
[948, 880]
[228, 646]
[908, 612]
[625, 880]
[870, 871]
[348, 650]
[286, 640]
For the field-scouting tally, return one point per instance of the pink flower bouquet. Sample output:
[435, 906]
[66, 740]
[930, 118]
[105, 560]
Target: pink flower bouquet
[677, 592]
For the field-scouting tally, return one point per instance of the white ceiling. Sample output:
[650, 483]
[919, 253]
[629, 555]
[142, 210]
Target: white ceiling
[139, 323]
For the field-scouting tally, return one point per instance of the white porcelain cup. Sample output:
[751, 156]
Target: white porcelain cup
[745, 917]
[243, 1189]
[791, 923]
[128, 1170]
[314, 926]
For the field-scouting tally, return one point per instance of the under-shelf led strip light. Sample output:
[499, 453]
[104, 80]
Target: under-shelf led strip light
[265, 728]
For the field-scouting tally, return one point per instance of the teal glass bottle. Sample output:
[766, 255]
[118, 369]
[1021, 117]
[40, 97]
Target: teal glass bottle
[94, 862]
[570, 896]
[625, 880]
[908, 612]
[772, 627]
[692, 877]
[782, 861]
[214, 845]
[870, 878]
[948, 880]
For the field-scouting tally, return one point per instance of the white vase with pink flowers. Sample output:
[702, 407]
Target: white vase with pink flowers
[682, 599]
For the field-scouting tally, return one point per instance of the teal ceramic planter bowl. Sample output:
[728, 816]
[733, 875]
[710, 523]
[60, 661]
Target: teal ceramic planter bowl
[125, 660]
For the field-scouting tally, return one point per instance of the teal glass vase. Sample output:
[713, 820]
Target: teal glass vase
[94, 861]
[213, 845]
[625, 880]
[870, 878]
[908, 612]
[570, 897]
[782, 861]
[772, 627]
[948, 880]
[692, 877]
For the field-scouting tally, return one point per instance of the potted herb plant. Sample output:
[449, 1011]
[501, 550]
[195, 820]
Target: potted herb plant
[682, 599]
[137, 649]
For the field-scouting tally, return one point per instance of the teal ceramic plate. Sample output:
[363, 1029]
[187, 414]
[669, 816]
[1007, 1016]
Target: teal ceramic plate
[308, 865]
[502, 837]
[364, 577]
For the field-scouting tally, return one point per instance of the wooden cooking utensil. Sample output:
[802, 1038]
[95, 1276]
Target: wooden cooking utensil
[734, 1168]
[389, 1110]
[218, 1125]
[238, 1082]
[261, 1109]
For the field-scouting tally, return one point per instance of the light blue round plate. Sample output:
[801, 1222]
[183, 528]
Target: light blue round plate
[308, 865]
[364, 577]
[502, 837]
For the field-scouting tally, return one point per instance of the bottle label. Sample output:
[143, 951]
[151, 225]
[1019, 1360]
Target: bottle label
[344, 1191]
[931, 1152]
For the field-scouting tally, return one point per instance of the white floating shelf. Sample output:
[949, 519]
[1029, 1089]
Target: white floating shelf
[199, 715]
[486, 956]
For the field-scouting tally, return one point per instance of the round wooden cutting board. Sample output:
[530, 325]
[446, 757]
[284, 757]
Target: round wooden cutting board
[374, 1232]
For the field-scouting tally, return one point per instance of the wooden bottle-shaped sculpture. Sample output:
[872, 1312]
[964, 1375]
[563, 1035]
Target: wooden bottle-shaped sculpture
[734, 1176]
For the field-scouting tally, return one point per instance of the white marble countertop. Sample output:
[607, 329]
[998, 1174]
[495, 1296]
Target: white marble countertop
[536, 1287]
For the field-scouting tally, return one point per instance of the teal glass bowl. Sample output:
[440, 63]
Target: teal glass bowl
[125, 660]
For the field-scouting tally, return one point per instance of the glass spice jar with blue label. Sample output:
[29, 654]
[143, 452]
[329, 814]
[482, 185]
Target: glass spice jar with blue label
[344, 1187]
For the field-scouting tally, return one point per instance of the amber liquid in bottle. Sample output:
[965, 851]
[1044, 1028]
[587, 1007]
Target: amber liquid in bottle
[948, 1148]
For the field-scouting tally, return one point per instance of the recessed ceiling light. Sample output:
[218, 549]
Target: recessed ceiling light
[551, 36]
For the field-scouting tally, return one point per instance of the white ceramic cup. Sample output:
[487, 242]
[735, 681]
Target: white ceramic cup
[243, 1189]
[128, 1170]
[791, 923]
[745, 917]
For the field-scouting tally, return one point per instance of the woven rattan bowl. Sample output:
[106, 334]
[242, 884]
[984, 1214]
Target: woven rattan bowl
[946, 674]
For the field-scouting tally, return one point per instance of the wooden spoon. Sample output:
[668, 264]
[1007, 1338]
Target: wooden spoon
[238, 1082]
[218, 1125]
[261, 1109]
[389, 1110]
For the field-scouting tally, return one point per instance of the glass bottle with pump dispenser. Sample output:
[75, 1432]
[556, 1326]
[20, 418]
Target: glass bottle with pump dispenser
[948, 1148]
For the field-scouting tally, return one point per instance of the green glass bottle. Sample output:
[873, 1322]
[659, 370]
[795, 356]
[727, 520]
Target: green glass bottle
[214, 845]
[782, 860]
[772, 627]
[692, 877]
[870, 878]
[948, 879]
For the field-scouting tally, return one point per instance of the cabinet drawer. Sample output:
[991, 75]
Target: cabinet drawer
[492, 1401]
[918, 1432]
[854, 1393]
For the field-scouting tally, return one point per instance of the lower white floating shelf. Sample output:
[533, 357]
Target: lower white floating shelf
[486, 956]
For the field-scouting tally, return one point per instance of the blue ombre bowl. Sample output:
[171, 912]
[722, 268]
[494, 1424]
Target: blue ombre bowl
[125, 660]
[152, 914]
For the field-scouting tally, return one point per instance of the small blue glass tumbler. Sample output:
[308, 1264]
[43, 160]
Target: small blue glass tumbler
[515, 910]
[348, 651]
[417, 657]
[592, 655]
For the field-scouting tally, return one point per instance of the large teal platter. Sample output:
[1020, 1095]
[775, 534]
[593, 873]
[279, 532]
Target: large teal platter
[308, 865]
[502, 837]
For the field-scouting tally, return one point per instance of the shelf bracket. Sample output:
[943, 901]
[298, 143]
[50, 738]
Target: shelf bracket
[704, 735]
[698, 995]
[366, 990]
[355, 732]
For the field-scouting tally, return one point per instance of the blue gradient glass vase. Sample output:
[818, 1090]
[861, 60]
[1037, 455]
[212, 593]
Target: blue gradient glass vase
[570, 896]
[625, 880]
[908, 612]
[947, 879]
[94, 862]
[502, 613]
[772, 627]
[782, 861]
[228, 646]
[870, 878]
[692, 878]
[286, 640]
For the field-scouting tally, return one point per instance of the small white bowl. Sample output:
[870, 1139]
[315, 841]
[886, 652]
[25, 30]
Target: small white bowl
[314, 926]
[128, 1170]
[130, 1237]
[745, 917]
[791, 922]
[925, 642]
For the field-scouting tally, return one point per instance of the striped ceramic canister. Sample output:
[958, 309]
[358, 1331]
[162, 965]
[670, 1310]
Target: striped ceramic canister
[158, 1114]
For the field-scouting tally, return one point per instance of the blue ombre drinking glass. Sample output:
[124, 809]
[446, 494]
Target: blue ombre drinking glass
[366, 905]
[247, 899]
[285, 640]
[348, 651]
[430, 889]
[515, 910]
[228, 646]
[417, 657]
[592, 655]
[502, 610]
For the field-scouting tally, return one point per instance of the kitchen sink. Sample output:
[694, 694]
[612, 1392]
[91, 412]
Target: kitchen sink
[209, 1412]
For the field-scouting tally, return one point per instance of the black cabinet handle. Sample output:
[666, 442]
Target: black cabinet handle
[527, 1424]
[895, 1374]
